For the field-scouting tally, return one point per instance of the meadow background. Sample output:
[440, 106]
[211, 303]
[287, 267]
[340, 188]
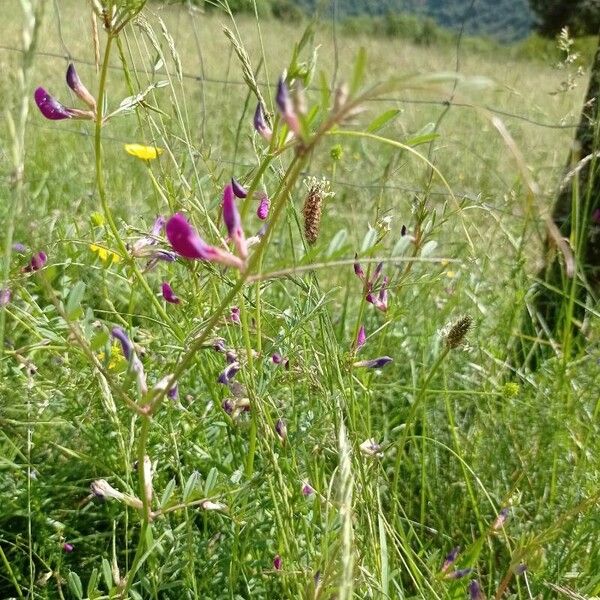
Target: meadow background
[462, 435]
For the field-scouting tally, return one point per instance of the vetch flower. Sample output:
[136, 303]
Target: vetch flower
[281, 430]
[168, 294]
[286, 106]
[126, 345]
[307, 489]
[238, 189]
[501, 519]
[475, 592]
[459, 573]
[102, 489]
[68, 548]
[361, 338]
[80, 90]
[52, 109]
[375, 363]
[370, 447]
[20, 248]
[229, 373]
[358, 270]
[234, 315]
[135, 364]
[277, 358]
[262, 212]
[380, 302]
[163, 384]
[450, 558]
[277, 562]
[232, 220]
[5, 296]
[260, 123]
[37, 261]
[143, 152]
[187, 243]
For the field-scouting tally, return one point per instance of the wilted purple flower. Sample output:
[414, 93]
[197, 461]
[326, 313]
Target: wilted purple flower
[232, 220]
[277, 562]
[168, 294]
[501, 519]
[186, 242]
[37, 261]
[229, 373]
[374, 363]
[358, 270]
[231, 356]
[277, 358]
[459, 573]
[126, 345]
[18, 247]
[228, 405]
[219, 345]
[158, 225]
[262, 212]
[475, 592]
[380, 302]
[286, 106]
[238, 189]
[307, 489]
[68, 548]
[52, 109]
[5, 296]
[450, 558]
[75, 84]
[234, 315]
[260, 123]
[281, 430]
[361, 338]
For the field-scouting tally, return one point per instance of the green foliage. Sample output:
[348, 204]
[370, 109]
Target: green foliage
[581, 16]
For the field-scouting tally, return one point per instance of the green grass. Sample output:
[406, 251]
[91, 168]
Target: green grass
[461, 435]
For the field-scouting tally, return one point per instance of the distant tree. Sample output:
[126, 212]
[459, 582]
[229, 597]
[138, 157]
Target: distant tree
[581, 16]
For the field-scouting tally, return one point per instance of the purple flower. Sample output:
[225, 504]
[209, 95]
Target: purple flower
[234, 315]
[75, 84]
[158, 225]
[229, 373]
[361, 338]
[126, 345]
[68, 548]
[450, 558]
[186, 242]
[232, 220]
[277, 358]
[375, 363]
[37, 261]
[277, 562]
[18, 247]
[262, 212]
[173, 392]
[52, 109]
[168, 294]
[501, 519]
[260, 123]
[238, 189]
[380, 302]
[5, 296]
[228, 406]
[286, 107]
[281, 430]
[459, 573]
[358, 270]
[307, 489]
[475, 592]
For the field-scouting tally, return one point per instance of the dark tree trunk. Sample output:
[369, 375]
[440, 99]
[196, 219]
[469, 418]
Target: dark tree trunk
[556, 310]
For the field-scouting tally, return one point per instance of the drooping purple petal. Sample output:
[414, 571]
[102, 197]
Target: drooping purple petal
[173, 392]
[75, 84]
[158, 225]
[281, 430]
[358, 270]
[38, 260]
[231, 218]
[361, 338]
[229, 373]
[186, 242]
[459, 573]
[475, 592]
[501, 519]
[262, 212]
[238, 189]
[234, 315]
[375, 363]
[260, 123]
[49, 106]
[307, 489]
[450, 558]
[277, 562]
[126, 345]
[286, 106]
[168, 294]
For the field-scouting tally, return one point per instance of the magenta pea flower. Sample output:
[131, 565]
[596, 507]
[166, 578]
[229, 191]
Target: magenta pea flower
[238, 189]
[277, 562]
[374, 363]
[168, 294]
[234, 315]
[262, 212]
[379, 301]
[187, 243]
[260, 123]
[52, 109]
[37, 261]
[361, 338]
[233, 222]
[286, 106]
[68, 548]
[358, 270]
[80, 90]
[307, 489]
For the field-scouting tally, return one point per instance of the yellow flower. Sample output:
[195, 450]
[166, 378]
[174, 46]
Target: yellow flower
[143, 152]
[104, 254]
